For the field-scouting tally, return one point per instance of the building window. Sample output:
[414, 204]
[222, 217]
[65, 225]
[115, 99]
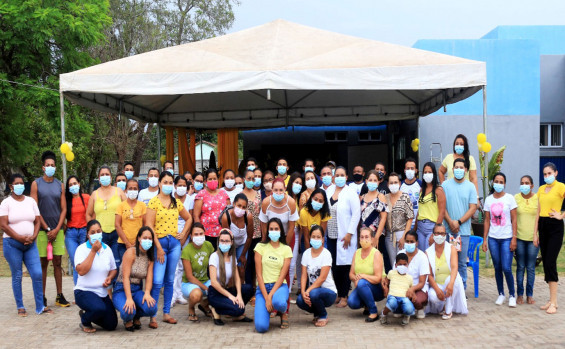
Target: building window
[551, 135]
[336, 136]
[374, 136]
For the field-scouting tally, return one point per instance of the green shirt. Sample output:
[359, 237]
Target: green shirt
[198, 258]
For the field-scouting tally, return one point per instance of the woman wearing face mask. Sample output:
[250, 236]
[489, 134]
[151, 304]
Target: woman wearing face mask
[460, 151]
[373, 214]
[121, 181]
[195, 281]
[103, 207]
[548, 231]
[240, 223]
[446, 294]
[526, 251]
[272, 262]
[130, 217]
[501, 232]
[399, 221]
[130, 298]
[181, 188]
[77, 202]
[317, 290]
[96, 268]
[226, 294]
[162, 217]
[366, 273]
[258, 179]
[268, 179]
[194, 188]
[128, 170]
[20, 221]
[253, 207]
[345, 210]
[229, 185]
[208, 205]
[239, 183]
[153, 189]
[311, 184]
[431, 209]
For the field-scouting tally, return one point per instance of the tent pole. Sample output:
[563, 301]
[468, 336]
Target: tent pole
[485, 178]
[201, 154]
[159, 147]
[62, 106]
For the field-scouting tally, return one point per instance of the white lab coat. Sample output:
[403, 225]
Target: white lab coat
[348, 216]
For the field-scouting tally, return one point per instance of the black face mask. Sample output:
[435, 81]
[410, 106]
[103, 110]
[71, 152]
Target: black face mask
[357, 177]
[381, 175]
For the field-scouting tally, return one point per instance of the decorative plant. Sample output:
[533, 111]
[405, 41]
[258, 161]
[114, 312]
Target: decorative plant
[491, 168]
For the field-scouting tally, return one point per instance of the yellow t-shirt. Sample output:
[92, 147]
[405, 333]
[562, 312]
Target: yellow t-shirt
[399, 283]
[448, 164]
[132, 219]
[552, 200]
[428, 209]
[527, 211]
[365, 266]
[306, 219]
[105, 211]
[272, 260]
[442, 269]
[166, 219]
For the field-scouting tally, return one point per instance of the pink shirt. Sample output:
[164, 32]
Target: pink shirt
[212, 206]
[21, 215]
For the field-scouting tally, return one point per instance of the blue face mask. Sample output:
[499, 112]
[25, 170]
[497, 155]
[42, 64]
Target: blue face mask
[129, 174]
[274, 235]
[19, 189]
[498, 187]
[251, 168]
[121, 185]
[327, 180]
[525, 189]
[50, 171]
[308, 168]
[224, 247]
[459, 173]
[171, 171]
[278, 197]
[95, 237]
[459, 149]
[317, 206]
[198, 186]
[146, 244]
[105, 181]
[316, 244]
[167, 189]
[549, 180]
[340, 181]
[372, 186]
[410, 247]
[257, 182]
[74, 189]
[249, 184]
[281, 170]
[296, 188]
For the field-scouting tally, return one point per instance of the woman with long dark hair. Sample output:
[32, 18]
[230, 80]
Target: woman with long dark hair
[431, 209]
[460, 151]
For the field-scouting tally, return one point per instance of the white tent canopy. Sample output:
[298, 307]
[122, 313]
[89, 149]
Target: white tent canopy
[277, 74]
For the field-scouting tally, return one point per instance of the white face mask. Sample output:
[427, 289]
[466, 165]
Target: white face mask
[402, 269]
[199, 240]
[229, 183]
[428, 177]
[410, 174]
[239, 186]
[311, 184]
[132, 194]
[268, 186]
[439, 239]
[394, 188]
[153, 181]
[181, 191]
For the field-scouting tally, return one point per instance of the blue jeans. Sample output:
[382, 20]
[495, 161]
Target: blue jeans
[321, 299]
[17, 253]
[401, 305]
[96, 309]
[365, 295]
[425, 229]
[238, 251]
[121, 250]
[262, 316]
[164, 273]
[462, 258]
[111, 239]
[224, 306]
[141, 309]
[526, 255]
[502, 261]
[73, 238]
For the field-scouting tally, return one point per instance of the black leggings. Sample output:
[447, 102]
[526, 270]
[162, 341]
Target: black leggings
[342, 281]
[250, 266]
[213, 241]
[550, 241]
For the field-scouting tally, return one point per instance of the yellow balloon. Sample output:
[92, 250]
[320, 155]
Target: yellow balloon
[65, 148]
[70, 156]
[415, 149]
[481, 138]
[163, 158]
[480, 146]
[486, 147]
[417, 141]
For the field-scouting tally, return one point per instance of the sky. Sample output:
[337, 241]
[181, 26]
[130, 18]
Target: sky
[402, 21]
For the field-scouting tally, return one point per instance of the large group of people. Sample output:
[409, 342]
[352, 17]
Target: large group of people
[217, 246]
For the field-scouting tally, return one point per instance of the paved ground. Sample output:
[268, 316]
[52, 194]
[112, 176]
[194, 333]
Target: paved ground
[486, 325]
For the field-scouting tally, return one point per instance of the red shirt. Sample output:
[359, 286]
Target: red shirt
[78, 212]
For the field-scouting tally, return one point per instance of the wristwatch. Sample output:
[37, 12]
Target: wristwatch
[459, 221]
[48, 229]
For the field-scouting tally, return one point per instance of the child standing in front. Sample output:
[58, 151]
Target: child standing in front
[399, 283]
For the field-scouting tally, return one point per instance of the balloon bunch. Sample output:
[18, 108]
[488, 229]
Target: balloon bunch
[67, 149]
[415, 144]
[483, 145]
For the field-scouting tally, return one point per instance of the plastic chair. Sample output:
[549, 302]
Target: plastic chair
[475, 244]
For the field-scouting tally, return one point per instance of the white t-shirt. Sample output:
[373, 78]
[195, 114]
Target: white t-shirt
[102, 264]
[500, 220]
[356, 187]
[189, 202]
[418, 266]
[21, 215]
[314, 267]
[232, 193]
[215, 261]
[145, 195]
[413, 191]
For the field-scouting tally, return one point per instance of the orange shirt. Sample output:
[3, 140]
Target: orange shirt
[78, 212]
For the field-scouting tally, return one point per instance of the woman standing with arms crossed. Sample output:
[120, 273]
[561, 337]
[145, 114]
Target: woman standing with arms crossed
[431, 209]
[400, 219]
[77, 202]
[549, 230]
[163, 213]
[130, 217]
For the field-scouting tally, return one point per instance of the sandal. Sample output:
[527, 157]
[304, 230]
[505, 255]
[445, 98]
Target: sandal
[87, 329]
[22, 312]
[170, 320]
[321, 322]
[547, 305]
[252, 301]
[218, 322]
[552, 309]
[136, 324]
[284, 322]
[314, 320]
[208, 312]
[153, 324]
[243, 319]
[446, 316]
[47, 310]
[342, 303]
[129, 328]
[192, 317]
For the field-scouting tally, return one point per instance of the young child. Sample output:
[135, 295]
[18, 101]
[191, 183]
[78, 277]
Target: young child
[400, 282]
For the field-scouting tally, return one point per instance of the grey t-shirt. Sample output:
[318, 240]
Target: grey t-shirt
[49, 201]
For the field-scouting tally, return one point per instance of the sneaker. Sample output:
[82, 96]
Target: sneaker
[512, 302]
[446, 316]
[405, 320]
[384, 320]
[61, 301]
[292, 301]
[182, 300]
[500, 300]
[420, 314]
